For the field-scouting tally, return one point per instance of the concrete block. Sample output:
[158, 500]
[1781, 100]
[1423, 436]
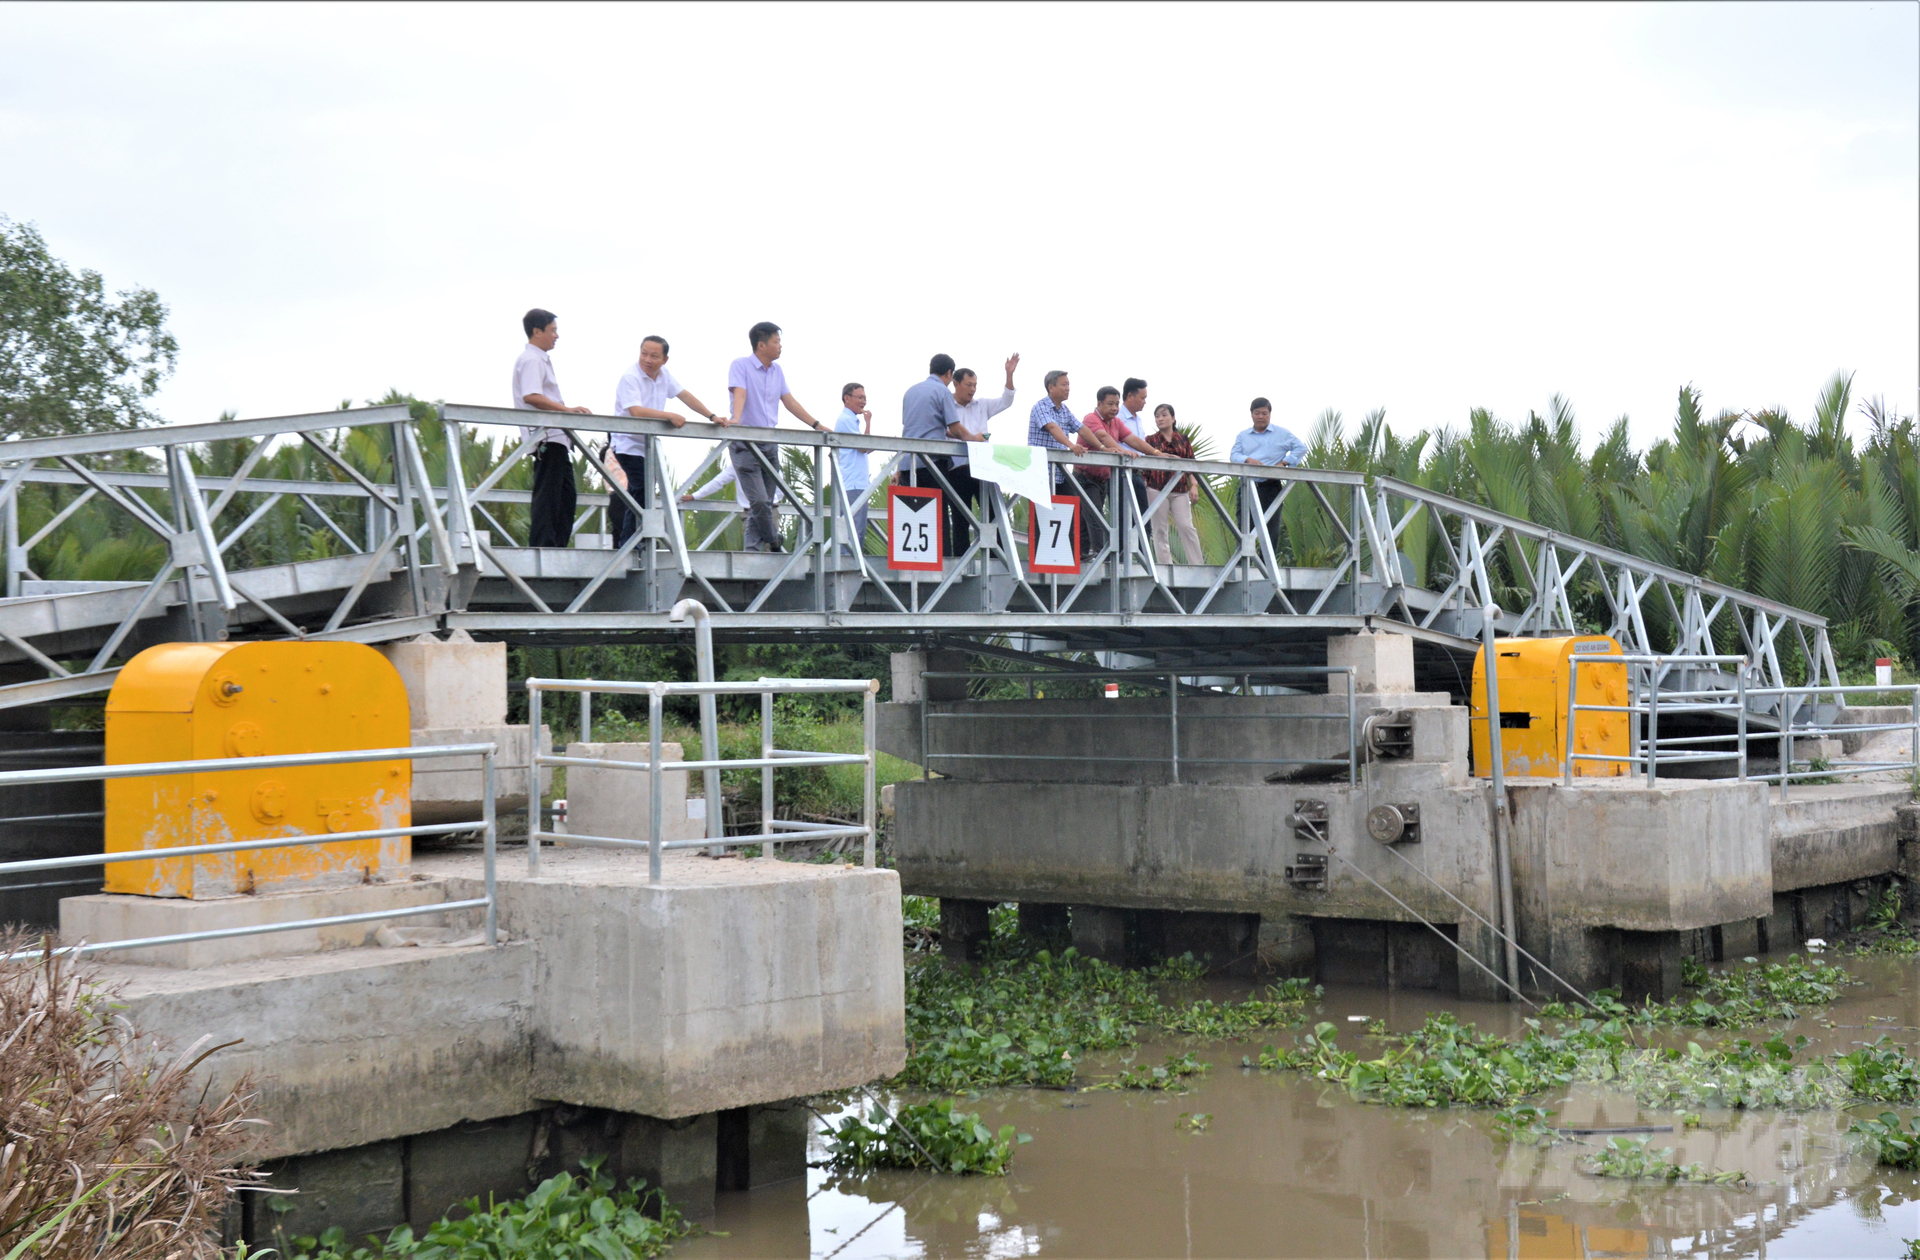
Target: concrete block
[965, 929]
[1611, 853]
[680, 1157]
[354, 1046]
[1225, 943]
[732, 982]
[476, 1160]
[1739, 939]
[909, 670]
[1866, 715]
[452, 683]
[1100, 932]
[618, 803]
[1834, 833]
[448, 789]
[1286, 945]
[1380, 662]
[125, 917]
[361, 1189]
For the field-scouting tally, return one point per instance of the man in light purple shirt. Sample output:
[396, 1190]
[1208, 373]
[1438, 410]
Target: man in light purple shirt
[758, 389]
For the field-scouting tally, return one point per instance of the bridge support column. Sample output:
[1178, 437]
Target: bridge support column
[964, 929]
[1046, 925]
[1381, 662]
[1100, 932]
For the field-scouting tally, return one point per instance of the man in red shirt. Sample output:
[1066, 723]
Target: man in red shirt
[1104, 431]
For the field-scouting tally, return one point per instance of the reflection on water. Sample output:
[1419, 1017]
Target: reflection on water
[1293, 1168]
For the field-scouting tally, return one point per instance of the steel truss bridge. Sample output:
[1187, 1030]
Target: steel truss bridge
[425, 550]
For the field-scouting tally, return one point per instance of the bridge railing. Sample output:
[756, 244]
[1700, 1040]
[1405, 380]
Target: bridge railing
[136, 770]
[773, 831]
[1417, 538]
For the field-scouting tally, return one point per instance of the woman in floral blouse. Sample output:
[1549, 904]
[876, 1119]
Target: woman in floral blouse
[1173, 444]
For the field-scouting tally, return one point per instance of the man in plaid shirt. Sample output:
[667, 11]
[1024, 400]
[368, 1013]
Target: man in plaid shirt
[1048, 425]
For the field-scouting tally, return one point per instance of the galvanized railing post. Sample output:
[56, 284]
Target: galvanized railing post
[870, 813]
[534, 802]
[1573, 718]
[1913, 713]
[653, 784]
[586, 717]
[487, 837]
[766, 772]
[1653, 725]
[1785, 746]
[1740, 694]
[1353, 757]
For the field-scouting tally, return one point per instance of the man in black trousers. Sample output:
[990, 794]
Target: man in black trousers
[535, 388]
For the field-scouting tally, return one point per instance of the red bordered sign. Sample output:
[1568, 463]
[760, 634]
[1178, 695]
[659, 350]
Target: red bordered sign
[1053, 536]
[913, 528]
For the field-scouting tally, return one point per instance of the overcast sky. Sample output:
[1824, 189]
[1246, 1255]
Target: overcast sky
[1423, 208]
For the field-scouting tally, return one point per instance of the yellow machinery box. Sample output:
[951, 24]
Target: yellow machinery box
[194, 701]
[1533, 707]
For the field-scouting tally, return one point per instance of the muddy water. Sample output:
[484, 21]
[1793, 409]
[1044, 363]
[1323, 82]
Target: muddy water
[1286, 1167]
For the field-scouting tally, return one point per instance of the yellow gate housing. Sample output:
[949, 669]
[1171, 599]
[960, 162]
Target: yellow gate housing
[194, 701]
[1533, 707]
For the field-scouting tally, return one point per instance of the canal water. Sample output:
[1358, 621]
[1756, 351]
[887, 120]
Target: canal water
[1283, 1166]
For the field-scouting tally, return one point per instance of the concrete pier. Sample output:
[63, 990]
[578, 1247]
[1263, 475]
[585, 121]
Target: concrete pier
[1235, 858]
[683, 1016]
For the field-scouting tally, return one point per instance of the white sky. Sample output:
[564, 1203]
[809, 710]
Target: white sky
[1425, 208]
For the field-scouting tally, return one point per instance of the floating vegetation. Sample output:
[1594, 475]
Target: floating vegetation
[1174, 1074]
[1631, 1158]
[1527, 1124]
[1445, 1063]
[1895, 1143]
[1881, 1072]
[1023, 1018]
[565, 1216]
[1195, 1121]
[1725, 999]
[935, 1135]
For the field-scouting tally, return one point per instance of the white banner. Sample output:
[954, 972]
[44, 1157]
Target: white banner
[1021, 470]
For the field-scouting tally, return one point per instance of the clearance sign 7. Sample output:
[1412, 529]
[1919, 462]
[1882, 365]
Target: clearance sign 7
[913, 528]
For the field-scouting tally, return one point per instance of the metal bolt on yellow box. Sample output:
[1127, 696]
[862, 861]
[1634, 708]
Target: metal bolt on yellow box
[196, 701]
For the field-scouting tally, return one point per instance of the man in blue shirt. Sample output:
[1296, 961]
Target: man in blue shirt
[856, 477]
[928, 411]
[1267, 443]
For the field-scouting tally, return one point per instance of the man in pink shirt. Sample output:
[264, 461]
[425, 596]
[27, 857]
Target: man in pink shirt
[1104, 431]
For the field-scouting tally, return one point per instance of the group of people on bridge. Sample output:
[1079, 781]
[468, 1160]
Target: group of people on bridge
[946, 405]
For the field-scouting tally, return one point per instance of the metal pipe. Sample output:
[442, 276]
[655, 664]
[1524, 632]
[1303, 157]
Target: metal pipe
[488, 839]
[654, 702]
[170, 852]
[1740, 692]
[1503, 859]
[218, 934]
[766, 771]
[535, 803]
[869, 803]
[709, 722]
[1653, 724]
[215, 765]
[1353, 754]
[1573, 718]
[586, 717]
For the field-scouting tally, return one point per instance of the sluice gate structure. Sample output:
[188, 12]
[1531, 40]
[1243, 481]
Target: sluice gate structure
[1285, 780]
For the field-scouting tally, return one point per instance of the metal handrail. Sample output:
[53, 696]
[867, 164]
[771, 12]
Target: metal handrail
[1167, 680]
[773, 832]
[219, 765]
[1652, 750]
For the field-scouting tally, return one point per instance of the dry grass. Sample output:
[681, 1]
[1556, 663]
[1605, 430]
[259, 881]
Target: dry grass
[110, 1147]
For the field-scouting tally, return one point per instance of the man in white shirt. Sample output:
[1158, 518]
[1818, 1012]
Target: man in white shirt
[644, 391]
[535, 388]
[975, 412]
[856, 475]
